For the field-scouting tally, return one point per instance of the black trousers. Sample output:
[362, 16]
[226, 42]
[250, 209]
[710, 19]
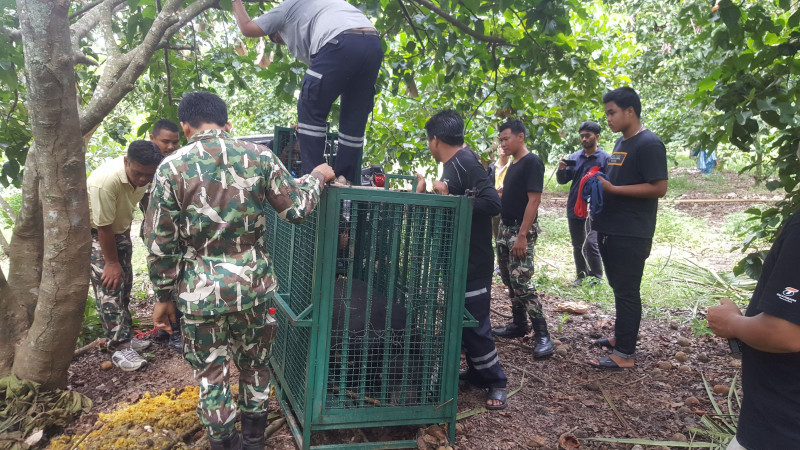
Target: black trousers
[584, 248]
[346, 67]
[478, 342]
[623, 258]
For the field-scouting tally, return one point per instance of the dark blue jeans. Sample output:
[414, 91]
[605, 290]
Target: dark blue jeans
[623, 258]
[346, 67]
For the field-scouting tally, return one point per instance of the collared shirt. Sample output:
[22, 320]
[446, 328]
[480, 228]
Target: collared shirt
[306, 25]
[205, 224]
[112, 198]
[574, 174]
[500, 174]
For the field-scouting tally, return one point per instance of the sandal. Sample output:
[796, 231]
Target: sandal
[606, 363]
[603, 342]
[500, 394]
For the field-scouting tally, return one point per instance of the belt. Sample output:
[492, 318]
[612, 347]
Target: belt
[511, 222]
[364, 32]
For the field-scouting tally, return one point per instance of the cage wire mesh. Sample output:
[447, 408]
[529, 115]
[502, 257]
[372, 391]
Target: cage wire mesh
[287, 148]
[370, 287]
[387, 331]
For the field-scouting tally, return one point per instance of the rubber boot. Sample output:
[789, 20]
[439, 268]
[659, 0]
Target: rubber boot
[253, 427]
[544, 345]
[232, 441]
[518, 326]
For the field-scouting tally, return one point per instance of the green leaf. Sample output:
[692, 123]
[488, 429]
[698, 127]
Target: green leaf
[731, 14]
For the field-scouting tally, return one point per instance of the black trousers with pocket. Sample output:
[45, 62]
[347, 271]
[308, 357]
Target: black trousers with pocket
[347, 68]
[624, 258]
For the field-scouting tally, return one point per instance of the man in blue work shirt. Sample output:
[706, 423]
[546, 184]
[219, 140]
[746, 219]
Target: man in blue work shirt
[344, 54]
[584, 239]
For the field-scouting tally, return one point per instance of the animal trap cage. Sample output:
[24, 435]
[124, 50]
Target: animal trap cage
[371, 307]
[285, 145]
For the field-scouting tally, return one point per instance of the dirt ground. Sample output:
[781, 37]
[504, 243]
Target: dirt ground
[660, 399]
[559, 396]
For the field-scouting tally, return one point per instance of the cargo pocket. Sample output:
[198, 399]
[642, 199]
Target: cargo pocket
[312, 83]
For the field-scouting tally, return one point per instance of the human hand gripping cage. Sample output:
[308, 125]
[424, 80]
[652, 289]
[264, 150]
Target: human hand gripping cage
[370, 310]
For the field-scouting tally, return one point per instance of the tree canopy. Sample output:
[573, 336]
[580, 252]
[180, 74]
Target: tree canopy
[711, 75]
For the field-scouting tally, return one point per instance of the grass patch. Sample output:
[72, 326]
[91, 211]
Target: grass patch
[679, 237]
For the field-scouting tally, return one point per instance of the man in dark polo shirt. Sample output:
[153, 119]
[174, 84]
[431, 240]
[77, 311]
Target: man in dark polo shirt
[637, 178]
[584, 239]
[769, 333]
[516, 239]
[464, 172]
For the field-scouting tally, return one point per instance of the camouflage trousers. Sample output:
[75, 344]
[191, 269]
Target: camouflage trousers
[112, 306]
[209, 343]
[516, 273]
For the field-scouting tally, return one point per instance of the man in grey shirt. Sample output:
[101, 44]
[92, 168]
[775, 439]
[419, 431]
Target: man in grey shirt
[344, 54]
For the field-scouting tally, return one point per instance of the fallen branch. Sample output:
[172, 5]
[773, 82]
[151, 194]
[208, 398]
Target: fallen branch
[483, 409]
[355, 396]
[614, 409]
[503, 315]
[510, 342]
[274, 426]
[184, 436]
[97, 343]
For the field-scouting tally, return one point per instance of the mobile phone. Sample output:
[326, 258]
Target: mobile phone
[570, 162]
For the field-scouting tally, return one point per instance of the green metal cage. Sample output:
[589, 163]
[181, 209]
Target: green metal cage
[371, 308]
[286, 147]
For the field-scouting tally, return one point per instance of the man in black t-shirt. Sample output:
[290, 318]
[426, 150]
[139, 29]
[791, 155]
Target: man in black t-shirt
[516, 239]
[463, 172]
[770, 334]
[637, 178]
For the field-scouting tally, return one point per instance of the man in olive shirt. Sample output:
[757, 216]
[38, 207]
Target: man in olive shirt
[115, 188]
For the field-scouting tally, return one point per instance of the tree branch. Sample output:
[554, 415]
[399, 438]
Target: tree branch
[456, 23]
[15, 35]
[107, 29]
[3, 246]
[7, 208]
[85, 8]
[411, 23]
[121, 71]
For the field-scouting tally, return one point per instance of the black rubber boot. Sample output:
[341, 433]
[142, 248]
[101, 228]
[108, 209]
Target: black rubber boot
[232, 441]
[253, 427]
[544, 345]
[518, 326]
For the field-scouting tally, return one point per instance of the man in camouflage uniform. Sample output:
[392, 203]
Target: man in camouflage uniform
[114, 189]
[205, 230]
[167, 137]
[520, 197]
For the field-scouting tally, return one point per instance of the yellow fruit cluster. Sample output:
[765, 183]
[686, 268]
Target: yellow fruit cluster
[153, 421]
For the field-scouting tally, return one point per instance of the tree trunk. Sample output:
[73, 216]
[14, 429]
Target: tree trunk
[50, 249]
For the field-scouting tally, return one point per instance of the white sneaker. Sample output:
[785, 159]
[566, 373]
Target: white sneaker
[138, 345]
[128, 360]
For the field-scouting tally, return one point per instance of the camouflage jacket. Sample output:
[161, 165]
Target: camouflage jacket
[204, 228]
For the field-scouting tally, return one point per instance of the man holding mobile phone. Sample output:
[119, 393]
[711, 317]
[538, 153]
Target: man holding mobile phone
[584, 240]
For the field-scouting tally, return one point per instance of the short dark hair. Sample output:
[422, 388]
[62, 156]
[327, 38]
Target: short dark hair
[625, 97]
[516, 127]
[446, 125]
[164, 124]
[145, 153]
[594, 127]
[199, 107]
